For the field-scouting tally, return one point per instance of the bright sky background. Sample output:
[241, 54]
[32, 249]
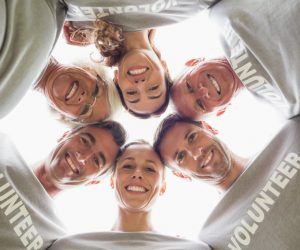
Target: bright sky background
[185, 205]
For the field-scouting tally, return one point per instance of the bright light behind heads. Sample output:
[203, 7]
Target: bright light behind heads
[185, 205]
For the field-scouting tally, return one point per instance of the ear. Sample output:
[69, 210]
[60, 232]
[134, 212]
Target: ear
[112, 182]
[68, 32]
[222, 110]
[151, 35]
[193, 62]
[210, 128]
[64, 136]
[181, 175]
[116, 78]
[163, 188]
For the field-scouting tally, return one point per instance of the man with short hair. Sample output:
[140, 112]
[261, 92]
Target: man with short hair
[259, 192]
[80, 92]
[27, 218]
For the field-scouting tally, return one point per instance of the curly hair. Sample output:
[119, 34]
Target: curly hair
[109, 40]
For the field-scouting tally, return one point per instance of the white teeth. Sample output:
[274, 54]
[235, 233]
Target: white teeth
[71, 164]
[138, 71]
[208, 158]
[214, 83]
[72, 90]
[136, 189]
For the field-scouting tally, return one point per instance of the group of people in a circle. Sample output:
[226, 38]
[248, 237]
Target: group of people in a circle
[95, 148]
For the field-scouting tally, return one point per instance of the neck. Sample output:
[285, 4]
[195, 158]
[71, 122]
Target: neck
[40, 172]
[238, 166]
[130, 221]
[137, 40]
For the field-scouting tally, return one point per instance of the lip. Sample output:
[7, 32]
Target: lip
[213, 81]
[71, 91]
[137, 70]
[136, 188]
[72, 163]
[207, 159]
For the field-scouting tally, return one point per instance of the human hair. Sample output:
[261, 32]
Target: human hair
[157, 112]
[116, 129]
[165, 125]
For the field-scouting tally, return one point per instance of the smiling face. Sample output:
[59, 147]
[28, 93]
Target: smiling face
[78, 94]
[81, 157]
[141, 78]
[139, 178]
[196, 152]
[204, 87]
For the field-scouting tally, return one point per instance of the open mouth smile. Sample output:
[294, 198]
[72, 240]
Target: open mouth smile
[138, 189]
[72, 90]
[137, 71]
[74, 167]
[207, 159]
[215, 83]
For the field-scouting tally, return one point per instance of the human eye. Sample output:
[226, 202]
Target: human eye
[180, 157]
[95, 91]
[96, 162]
[150, 169]
[189, 87]
[154, 87]
[127, 166]
[85, 109]
[131, 92]
[192, 137]
[85, 140]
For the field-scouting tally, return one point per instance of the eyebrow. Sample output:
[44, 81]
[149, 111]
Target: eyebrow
[150, 161]
[175, 155]
[129, 158]
[101, 155]
[90, 136]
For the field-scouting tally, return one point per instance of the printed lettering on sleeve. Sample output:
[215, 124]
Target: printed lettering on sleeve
[13, 208]
[260, 207]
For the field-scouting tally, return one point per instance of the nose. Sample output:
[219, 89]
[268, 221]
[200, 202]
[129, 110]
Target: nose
[83, 97]
[195, 152]
[201, 91]
[83, 156]
[139, 79]
[137, 174]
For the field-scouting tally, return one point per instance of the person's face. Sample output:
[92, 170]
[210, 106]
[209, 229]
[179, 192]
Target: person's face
[78, 94]
[141, 78]
[204, 88]
[196, 152]
[138, 179]
[81, 157]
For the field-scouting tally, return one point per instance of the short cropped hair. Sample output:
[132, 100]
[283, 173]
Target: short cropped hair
[157, 112]
[116, 129]
[165, 125]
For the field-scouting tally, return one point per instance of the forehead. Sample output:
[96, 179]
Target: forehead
[100, 134]
[140, 152]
